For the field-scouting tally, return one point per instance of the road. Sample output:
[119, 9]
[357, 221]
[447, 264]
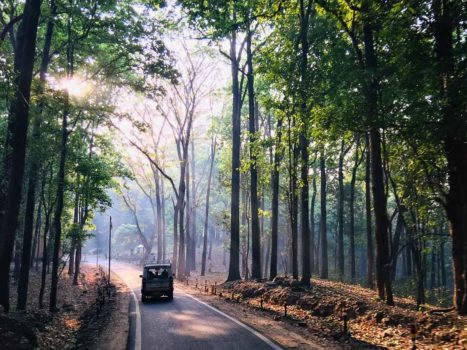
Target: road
[185, 323]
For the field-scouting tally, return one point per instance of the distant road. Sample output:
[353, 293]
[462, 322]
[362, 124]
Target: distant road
[184, 323]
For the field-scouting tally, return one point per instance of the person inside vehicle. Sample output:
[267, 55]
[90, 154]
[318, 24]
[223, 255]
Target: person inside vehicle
[164, 273]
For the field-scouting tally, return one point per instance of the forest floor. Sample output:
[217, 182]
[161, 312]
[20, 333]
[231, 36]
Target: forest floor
[82, 321]
[319, 312]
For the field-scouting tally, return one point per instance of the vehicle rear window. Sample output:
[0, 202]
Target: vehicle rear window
[157, 272]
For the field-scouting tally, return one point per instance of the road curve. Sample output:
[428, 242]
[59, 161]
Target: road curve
[185, 323]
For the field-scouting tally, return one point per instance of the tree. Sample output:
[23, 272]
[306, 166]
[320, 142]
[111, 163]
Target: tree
[16, 140]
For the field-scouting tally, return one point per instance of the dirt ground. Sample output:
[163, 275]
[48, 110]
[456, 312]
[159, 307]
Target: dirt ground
[317, 314]
[288, 332]
[82, 321]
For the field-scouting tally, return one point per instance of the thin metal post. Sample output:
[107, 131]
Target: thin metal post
[110, 245]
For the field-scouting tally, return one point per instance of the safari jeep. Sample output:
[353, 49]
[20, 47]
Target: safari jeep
[157, 281]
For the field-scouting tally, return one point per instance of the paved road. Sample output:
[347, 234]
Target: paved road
[185, 323]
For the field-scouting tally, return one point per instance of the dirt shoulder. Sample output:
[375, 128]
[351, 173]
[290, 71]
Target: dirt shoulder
[317, 313]
[115, 335]
[89, 314]
[288, 332]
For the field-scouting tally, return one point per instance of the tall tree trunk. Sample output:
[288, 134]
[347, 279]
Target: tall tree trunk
[164, 233]
[61, 176]
[433, 267]
[234, 262]
[74, 233]
[312, 227]
[294, 216]
[188, 238]
[383, 263]
[58, 212]
[340, 215]
[275, 201]
[442, 265]
[352, 211]
[206, 215]
[305, 12]
[160, 242]
[322, 222]
[175, 241]
[44, 259]
[255, 234]
[35, 244]
[193, 209]
[396, 243]
[16, 141]
[370, 260]
[455, 144]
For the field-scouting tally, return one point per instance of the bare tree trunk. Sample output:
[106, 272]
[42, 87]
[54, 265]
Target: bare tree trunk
[323, 219]
[455, 145]
[340, 215]
[369, 230]
[188, 221]
[61, 176]
[352, 210]
[383, 279]
[16, 142]
[234, 261]
[58, 213]
[193, 208]
[164, 227]
[275, 201]
[255, 234]
[312, 227]
[44, 259]
[206, 216]
[305, 13]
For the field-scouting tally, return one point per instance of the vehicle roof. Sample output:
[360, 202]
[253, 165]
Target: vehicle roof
[158, 265]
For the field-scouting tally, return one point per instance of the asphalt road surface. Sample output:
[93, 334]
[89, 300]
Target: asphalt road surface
[185, 323]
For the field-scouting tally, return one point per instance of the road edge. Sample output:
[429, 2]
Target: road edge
[134, 317]
[258, 334]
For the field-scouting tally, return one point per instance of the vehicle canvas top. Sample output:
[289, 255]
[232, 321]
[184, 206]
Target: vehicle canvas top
[147, 266]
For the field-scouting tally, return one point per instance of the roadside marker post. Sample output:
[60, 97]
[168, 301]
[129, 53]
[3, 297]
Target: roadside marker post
[345, 319]
[110, 247]
[413, 331]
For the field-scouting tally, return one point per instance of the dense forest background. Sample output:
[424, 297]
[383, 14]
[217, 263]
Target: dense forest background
[316, 139]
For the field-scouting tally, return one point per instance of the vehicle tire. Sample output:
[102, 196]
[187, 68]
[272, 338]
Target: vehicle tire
[170, 295]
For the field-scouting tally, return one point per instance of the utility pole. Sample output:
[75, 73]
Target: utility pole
[110, 245]
[97, 248]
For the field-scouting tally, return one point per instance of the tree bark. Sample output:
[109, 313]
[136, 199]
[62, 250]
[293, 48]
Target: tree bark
[44, 259]
[340, 215]
[312, 227]
[234, 262]
[352, 210]
[193, 208]
[16, 141]
[305, 12]
[255, 233]
[58, 211]
[454, 129]
[322, 222]
[275, 201]
[383, 264]
[370, 260]
[206, 214]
